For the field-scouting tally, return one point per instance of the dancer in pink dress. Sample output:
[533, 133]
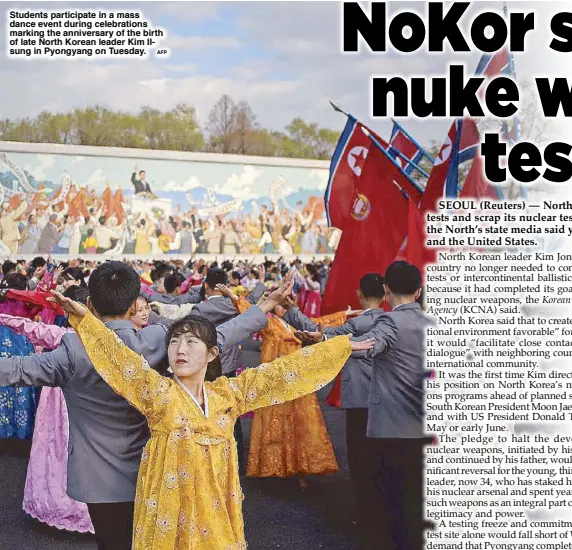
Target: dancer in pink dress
[45, 497]
[310, 299]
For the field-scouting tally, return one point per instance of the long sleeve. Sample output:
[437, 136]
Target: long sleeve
[238, 329]
[176, 244]
[51, 369]
[337, 321]
[231, 332]
[191, 297]
[290, 377]
[257, 293]
[385, 334]
[39, 334]
[20, 210]
[127, 372]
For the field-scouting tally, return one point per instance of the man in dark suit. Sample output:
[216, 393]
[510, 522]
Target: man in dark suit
[107, 435]
[355, 385]
[141, 184]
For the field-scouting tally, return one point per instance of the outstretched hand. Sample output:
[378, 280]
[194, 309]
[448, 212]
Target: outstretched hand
[364, 345]
[309, 338]
[226, 291]
[278, 295]
[68, 305]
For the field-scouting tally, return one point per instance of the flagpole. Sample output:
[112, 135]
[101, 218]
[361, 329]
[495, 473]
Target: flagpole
[366, 131]
[410, 138]
[409, 161]
[389, 157]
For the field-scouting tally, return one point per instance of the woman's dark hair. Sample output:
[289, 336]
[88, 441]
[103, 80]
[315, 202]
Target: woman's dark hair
[76, 274]
[314, 273]
[77, 294]
[15, 281]
[173, 281]
[89, 232]
[203, 329]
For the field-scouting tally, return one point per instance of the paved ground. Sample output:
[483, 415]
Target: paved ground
[276, 513]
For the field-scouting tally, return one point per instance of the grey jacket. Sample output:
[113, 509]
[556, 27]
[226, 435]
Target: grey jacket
[357, 372]
[106, 434]
[219, 310]
[396, 398]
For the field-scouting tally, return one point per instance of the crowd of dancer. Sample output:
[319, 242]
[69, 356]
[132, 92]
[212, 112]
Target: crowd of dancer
[141, 376]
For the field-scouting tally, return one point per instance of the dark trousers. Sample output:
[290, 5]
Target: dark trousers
[398, 483]
[361, 468]
[239, 438]
[113, 524]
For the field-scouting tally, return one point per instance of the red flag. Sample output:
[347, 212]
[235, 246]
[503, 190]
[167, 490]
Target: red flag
[476, 185]
[118, 205]
[455, 150]
[317, 203]
[373, 232]
[345, 169]
[107, 198]
[417, 253]
[35, 297]
[15, 201]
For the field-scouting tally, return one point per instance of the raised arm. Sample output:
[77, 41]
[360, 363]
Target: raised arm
[127, 372]
[289, 377]
[39, 334]
[384, 332]
[238, 329]
[257, 293]
[191, 297]
[52, 369]
[336, 321]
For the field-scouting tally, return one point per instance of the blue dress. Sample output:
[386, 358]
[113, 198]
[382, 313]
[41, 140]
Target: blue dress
[17, 405]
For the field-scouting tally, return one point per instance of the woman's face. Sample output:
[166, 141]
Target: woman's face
[188, 355]
[68, 282]
[141, 317]
[280, 311]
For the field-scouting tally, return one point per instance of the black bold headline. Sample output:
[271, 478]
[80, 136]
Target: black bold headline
[457, 96]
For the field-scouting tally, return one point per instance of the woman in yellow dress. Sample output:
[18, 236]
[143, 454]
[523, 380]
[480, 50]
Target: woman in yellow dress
[143, 231]
[188, 491]
[290, 439]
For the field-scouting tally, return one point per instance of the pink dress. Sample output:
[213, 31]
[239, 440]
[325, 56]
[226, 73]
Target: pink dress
[310, 298]
[45, 497]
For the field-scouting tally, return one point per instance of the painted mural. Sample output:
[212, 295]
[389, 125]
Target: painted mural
[76, 204]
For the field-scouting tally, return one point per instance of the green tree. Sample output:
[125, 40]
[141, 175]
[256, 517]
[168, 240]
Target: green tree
[231, 128]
